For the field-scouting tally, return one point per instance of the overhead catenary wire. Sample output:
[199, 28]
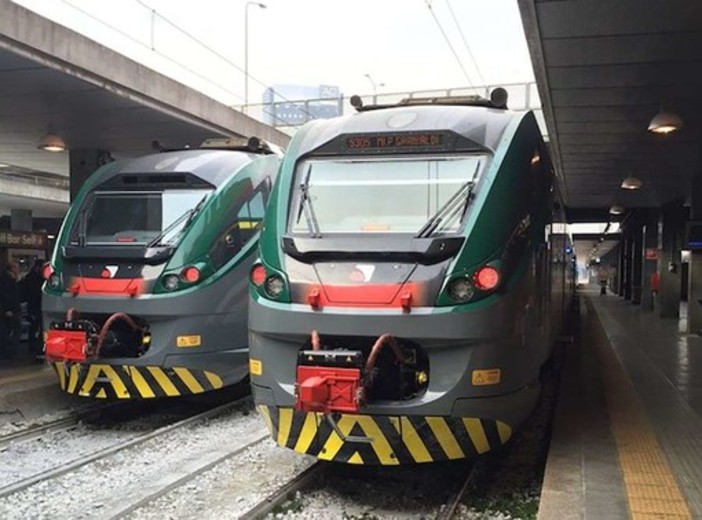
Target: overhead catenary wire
[448, 42]
[465, 42]
[139, 42]
[216, 53]
[172, 60]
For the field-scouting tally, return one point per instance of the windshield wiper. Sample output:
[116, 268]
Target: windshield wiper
[457, 201]
[189, 215]
[306, 206]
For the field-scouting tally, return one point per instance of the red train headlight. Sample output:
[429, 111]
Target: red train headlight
[191, 274]
[258, 275]
[486, 278]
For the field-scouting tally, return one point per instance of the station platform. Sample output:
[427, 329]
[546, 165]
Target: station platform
[627, 433]
[29, 390]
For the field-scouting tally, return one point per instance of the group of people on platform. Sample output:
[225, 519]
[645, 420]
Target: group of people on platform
[15, 289]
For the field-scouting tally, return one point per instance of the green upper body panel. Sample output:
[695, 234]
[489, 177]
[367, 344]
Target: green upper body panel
[511, 196]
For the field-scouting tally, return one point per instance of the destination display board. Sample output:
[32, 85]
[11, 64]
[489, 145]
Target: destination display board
[410, 142]
[397, 142]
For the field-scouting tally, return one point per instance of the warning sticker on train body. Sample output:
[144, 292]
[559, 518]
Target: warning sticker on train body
[485, 377]
[188, 341]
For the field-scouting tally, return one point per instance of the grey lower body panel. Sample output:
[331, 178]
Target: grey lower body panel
[217, 357]
[458, 345]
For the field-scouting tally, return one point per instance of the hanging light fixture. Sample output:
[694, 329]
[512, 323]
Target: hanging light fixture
[665, 122]
[632, 183]
[616, 209]
[52, 142]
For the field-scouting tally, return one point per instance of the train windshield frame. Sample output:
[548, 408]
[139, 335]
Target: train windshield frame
[146, 218]
[417, 196]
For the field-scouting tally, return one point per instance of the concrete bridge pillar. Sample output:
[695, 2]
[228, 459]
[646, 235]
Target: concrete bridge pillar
[636, 263]
[671, 229]
[694, 295]
[650, 257]
[628, 263]
[21, 219]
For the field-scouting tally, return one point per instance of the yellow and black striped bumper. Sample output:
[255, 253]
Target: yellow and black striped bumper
[386, 440]
[103, 381]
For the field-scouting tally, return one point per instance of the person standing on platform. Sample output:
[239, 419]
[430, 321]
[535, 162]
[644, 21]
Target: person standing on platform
[10, 324]
[31, 286]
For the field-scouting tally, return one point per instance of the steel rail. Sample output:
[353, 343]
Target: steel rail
[448, 512]
[190, 470]
[65, 423]
[68, 467]
[278, 497]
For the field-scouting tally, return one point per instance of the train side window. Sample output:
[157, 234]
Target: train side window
[241, 227]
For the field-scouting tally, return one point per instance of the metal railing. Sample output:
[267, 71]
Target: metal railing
[288, 115]
[35, 180]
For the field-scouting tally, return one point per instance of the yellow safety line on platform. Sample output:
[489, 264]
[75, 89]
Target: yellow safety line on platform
[651, 487]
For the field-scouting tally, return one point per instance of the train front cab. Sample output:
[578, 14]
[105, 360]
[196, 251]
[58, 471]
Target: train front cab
[147, 288]
[456, 315]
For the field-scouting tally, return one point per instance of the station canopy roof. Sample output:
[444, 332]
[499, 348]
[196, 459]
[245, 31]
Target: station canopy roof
[604, 69]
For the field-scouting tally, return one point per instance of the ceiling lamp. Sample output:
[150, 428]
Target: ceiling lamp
[632, 183]
[52, 142]
[665, 122]
[616, 209]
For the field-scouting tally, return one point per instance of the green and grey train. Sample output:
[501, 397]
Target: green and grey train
[414, 272]
[146, 292]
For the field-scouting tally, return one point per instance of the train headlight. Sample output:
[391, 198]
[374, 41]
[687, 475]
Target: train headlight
[170, 282]
[460, 290]
[275, 285]
[191, 274]
[258, 275]
[486, 278]
[54, 281]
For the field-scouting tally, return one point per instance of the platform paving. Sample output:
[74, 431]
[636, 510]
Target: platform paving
[627, 440]
[29, 390]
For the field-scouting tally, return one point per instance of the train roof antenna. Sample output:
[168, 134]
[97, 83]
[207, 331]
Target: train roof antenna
[356, 102]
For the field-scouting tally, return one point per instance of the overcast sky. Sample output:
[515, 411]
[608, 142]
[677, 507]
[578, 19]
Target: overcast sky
[331, 42]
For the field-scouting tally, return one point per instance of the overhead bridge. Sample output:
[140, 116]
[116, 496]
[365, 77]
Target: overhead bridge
[102, 104]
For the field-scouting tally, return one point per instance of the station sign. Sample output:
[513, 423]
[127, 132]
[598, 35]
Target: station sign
[23, 239]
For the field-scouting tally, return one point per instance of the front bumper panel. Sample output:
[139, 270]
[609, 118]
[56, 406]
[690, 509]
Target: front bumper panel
[384, 440]
[116, 382]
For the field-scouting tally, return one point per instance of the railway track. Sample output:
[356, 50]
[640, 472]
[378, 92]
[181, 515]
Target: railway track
[190, 471]
[281, 495]
[320, 472]
[448, 512]
[61, 424]
[57, 471]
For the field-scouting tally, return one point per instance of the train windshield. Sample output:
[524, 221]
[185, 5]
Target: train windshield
[419, 196]
[140, 218]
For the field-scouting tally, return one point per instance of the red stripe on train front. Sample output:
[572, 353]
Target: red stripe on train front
[367, 295]
[123, 286]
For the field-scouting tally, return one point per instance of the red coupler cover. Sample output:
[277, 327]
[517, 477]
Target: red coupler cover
[66, 345]
[327, 389]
